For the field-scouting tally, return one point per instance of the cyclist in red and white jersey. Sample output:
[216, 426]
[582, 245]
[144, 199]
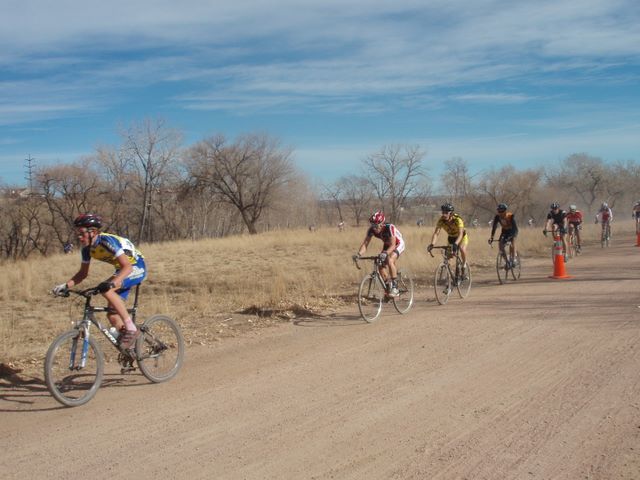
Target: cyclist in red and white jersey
[574, 218]
[393, 246]
[604, 215]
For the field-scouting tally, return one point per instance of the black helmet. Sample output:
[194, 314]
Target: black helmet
[555, 205]
[447, 207]
[88, 220]
[502, 207]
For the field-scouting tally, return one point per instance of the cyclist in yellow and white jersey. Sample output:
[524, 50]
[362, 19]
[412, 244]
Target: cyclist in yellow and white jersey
[130, 271]
[457, 236]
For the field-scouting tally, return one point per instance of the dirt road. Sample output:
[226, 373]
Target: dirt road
[534, 380]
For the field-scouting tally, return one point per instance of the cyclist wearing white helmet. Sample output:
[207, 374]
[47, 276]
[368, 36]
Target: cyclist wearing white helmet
[574, 218]
[604, 215]
[130, 271]
[393, 246]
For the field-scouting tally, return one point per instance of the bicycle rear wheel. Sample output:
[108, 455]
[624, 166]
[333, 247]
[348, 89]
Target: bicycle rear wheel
[501, 268]
[69, 382]
[160, 348]
[463, 283]
[370, 297]
[442, 284]
[404, 300]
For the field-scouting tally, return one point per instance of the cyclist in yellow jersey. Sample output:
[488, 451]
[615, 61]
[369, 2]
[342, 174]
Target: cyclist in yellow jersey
[130, 271]
[453, 225]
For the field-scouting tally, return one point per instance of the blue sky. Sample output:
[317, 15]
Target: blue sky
[492, 81]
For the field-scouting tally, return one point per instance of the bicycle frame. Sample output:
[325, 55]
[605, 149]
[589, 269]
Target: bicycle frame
[89, 318]
[375, 273]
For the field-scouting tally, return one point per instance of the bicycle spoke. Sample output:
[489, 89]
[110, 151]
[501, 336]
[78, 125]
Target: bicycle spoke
[404, 300]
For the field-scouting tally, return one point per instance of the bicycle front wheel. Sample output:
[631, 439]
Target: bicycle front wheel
[404, 300]
[160, 348]
[72, 381]
[370, 298]
[464, 282]
[501, 268]
[442, 284]
[516, 267]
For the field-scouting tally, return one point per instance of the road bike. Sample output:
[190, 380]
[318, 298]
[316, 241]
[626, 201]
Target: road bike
[74, 364]
[505, 265]
[557, 236]
[605, 236]
[446, 278]
[572, 241]
[373, 291]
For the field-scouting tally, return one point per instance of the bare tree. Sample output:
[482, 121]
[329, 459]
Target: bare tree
[396, 173]
[153, 148]
[507, 185]
[583, 175]
[247, 174]
[356, 194]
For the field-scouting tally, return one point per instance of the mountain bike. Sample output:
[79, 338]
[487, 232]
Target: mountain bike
[446, 278]
[505, 265]
[373, 291]
[74, 364]
[605, 236]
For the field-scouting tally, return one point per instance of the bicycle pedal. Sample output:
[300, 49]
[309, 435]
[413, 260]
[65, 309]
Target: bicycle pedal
[127, 370]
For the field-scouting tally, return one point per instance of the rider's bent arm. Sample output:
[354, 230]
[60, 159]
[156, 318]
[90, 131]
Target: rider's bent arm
[494, 225]
[365, 244]
[434, 237]
[124, 271]
[79, 276]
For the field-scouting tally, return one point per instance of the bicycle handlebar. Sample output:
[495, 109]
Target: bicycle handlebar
[441, 247]
[86, 293]
[355, 259]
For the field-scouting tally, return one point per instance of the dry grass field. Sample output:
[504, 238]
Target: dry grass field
[221, 287]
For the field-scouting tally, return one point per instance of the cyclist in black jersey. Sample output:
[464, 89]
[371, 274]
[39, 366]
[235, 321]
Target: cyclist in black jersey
[557, 221]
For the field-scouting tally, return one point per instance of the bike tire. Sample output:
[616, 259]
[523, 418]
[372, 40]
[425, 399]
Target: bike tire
[160, 348]
[404, 301]
[442, 284]
[72, 386]
[501, 268]
[572, 246]
[464, 283]
[370, 298]
[516, 269]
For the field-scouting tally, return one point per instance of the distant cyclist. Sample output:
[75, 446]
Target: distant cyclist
[636, 215]
[574, 219]
[509, 230]
[130, 271]
[393, 246]
[457, 236]
[557, 222]
[604, 215]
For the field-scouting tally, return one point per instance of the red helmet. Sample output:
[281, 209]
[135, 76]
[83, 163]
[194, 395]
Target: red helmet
[88, 220]
[377, 218]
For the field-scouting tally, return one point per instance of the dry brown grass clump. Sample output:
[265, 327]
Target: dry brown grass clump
[210, 286]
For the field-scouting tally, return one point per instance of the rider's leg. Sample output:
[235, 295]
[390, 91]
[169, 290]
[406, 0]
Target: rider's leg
[393, 269]
[121, 317]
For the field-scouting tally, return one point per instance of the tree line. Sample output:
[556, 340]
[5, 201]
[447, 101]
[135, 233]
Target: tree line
[152, 188]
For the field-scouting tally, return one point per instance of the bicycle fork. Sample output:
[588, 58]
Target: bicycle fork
[84, 333]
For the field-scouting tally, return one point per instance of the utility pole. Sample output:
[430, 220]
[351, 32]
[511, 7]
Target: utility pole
[29, 165]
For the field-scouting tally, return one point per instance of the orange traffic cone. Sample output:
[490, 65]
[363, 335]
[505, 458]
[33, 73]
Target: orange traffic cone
[638, 239]
[558, 260]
